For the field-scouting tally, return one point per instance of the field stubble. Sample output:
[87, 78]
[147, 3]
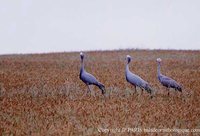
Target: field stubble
[41, 94]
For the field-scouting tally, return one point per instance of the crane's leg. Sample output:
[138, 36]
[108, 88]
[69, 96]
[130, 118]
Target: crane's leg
[179, 94]
[135, 89]
[142, 91]
[89, 90]
[176, 91]
[168, 90]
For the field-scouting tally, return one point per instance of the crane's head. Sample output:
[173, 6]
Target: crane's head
[128, 58]
[158, 60]
[82, 55]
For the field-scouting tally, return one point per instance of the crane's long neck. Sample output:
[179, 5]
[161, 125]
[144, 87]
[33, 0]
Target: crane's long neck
[82, 66]
[158, 69]
[127, 67]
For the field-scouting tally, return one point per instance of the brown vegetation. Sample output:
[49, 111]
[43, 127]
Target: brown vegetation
[41, 94]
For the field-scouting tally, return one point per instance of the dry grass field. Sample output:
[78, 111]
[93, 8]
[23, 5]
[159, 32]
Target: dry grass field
[41, 94]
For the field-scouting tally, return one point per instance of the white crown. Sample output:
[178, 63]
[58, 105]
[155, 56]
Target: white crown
[158, 60]
[128, 56]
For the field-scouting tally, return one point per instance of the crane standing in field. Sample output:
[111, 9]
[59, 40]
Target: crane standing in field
[89, 79]
[166, 81]
[135, 80]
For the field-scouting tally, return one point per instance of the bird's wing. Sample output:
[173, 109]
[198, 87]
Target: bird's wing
[136, 80]
[167, 81]
[89, 78]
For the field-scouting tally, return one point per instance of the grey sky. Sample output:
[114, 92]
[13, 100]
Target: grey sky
[29, 26]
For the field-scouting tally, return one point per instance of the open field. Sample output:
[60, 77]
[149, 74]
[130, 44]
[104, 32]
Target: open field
[41, 94]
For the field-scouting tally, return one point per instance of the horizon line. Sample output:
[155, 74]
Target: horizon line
[95, 50]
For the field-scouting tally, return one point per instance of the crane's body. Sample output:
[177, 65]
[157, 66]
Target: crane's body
[135, 79]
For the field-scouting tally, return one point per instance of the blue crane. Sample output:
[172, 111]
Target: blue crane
[88, 78]
[167, 81]
[135, 80]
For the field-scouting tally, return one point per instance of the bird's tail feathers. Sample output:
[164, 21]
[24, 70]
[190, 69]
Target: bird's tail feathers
[149, 89]
[179, 88]
[102, 87]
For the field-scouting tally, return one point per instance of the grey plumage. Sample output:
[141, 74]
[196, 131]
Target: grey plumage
[89, 79]
[166, 81]
[135, 80]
